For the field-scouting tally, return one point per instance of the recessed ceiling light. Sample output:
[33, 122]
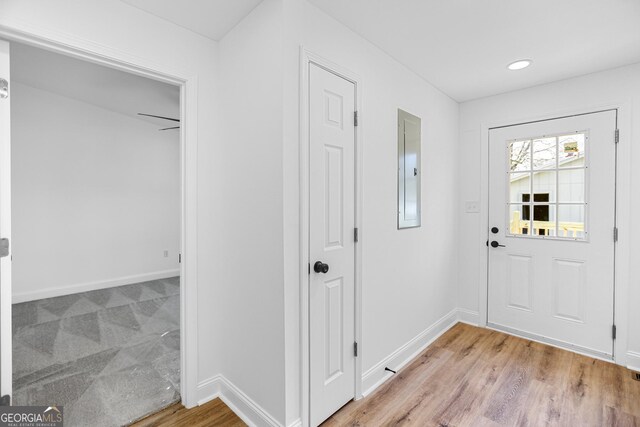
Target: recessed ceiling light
[519, 64]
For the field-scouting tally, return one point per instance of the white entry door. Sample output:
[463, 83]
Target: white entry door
[551, 231]
[331, 242]
[5, 223]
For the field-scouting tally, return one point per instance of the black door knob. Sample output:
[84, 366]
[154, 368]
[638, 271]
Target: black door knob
[320, 267]
[495, 244]
[494, 230]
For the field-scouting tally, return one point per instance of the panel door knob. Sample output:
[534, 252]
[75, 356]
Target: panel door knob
[320, 267]
[495, 244]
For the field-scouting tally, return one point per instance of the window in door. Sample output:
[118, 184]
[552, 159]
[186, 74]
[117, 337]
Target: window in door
[553, 169]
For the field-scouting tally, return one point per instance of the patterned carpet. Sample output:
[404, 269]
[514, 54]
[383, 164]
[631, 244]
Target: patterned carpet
[108, 356]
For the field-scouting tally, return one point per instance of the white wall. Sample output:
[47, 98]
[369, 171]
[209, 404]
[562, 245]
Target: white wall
[590, 92]
[96, 197]
[249, 301]
[409, 276]
[113, 29]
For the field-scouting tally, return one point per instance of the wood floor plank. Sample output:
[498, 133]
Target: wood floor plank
[380, 407]
[211, 414]
[461, 390]
[478, 377]
[615, 417]
[509, 392]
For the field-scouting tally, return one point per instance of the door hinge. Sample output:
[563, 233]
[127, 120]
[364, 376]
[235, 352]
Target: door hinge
[356, 236]
[309, 268]
[355, 349]
[617, 136]
[613, 331]
[179, 258]
[4, 89]
[4, 248]
[615, 234]
[355, 118]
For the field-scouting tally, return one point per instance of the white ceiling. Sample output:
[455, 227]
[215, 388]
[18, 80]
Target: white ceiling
[104, 87]
[209, 18]
[460, 46]
[463, 46]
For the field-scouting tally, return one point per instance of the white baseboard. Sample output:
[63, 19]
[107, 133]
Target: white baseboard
[469, 317]
[92, 286]
[208, 390]
[296, 423]
[376, 375]
[241, 404]
[633, 361]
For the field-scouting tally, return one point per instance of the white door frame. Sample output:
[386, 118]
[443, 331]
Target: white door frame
[306, 59]
[622, 215]
[6, 353]
[87, 50]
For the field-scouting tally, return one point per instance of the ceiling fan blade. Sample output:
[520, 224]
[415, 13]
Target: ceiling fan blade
[159, 117]
[175, 127]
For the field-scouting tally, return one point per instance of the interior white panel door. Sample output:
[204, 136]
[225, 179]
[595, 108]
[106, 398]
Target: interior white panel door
[552, 211]
[331, 241]
[5, 221]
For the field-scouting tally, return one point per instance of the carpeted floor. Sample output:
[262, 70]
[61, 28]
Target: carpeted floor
[108, 356]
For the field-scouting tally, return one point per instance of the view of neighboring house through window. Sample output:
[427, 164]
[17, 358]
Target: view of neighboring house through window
[540, 211]
[554, 170]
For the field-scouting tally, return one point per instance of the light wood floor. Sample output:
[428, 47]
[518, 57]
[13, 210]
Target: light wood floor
[477, 377]
[214, 413]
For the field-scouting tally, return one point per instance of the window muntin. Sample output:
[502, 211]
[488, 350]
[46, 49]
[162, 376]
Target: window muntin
[554, 169]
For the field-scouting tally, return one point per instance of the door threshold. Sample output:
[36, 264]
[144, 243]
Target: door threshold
[574, 348]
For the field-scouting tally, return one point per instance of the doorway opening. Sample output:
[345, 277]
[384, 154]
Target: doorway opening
[96, 238]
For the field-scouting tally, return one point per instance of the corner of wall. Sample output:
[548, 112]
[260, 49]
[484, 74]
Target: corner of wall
[377, 375]
[242, 405]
